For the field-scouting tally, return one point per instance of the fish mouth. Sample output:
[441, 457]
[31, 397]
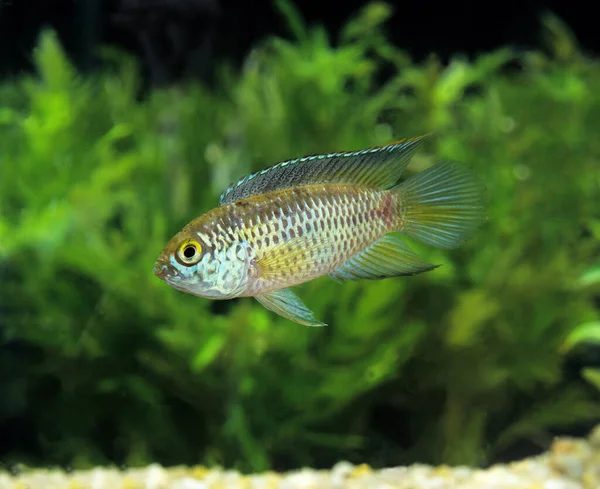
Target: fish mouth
[167, 273]
[161, 270]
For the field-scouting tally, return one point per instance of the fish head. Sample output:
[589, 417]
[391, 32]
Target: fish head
[191, 263]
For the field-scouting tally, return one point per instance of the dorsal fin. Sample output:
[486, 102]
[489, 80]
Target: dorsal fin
[380, 167]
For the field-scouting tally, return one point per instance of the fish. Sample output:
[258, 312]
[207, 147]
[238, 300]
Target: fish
[345, 215]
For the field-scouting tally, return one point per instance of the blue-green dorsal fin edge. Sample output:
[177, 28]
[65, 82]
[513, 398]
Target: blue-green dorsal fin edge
[288, 305]
[387, 257]
[381, 167]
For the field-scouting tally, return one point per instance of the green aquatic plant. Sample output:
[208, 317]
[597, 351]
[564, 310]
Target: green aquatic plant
[587, 334]
[107, 364]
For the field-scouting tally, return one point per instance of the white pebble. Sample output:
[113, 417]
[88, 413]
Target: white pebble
[189, 483]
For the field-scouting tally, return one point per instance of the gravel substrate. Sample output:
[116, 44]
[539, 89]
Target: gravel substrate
[569, 464]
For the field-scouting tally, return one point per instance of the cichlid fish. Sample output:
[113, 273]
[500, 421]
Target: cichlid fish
[333, 214]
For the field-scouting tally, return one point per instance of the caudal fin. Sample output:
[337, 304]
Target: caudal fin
[442, 205]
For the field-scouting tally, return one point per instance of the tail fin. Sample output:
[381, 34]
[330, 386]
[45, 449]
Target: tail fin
[442, 205]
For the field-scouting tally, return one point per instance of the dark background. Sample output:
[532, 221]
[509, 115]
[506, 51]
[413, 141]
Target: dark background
[182, 38]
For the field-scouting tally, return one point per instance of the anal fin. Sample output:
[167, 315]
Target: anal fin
[387, 257]
[288, 305]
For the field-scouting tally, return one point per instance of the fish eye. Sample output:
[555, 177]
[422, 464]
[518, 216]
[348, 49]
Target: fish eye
[189, 253]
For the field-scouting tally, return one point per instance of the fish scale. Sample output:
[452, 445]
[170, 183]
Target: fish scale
[336, 221]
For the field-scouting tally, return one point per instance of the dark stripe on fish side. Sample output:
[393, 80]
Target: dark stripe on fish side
[388, 210]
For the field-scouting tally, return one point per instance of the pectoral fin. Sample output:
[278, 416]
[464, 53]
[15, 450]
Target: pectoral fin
[281, 257]
[287, 304]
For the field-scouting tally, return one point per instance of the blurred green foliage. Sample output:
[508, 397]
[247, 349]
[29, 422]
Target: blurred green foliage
[451, 366]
